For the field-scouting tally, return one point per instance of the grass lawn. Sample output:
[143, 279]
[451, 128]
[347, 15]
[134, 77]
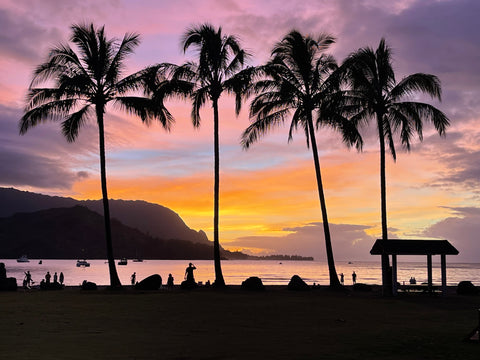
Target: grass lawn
[234, 324]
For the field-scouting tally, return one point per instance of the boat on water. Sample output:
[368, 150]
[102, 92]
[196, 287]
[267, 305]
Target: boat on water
[23, 259]
[137, 260]
[83, 263]
[40, 262]
[123, 261]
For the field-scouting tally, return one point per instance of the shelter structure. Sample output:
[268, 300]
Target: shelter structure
[428, 248]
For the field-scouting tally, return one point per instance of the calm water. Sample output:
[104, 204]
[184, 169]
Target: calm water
[271, 272]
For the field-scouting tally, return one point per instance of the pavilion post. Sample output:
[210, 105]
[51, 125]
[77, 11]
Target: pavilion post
[429, 272]
[444, 274]
[394, 274]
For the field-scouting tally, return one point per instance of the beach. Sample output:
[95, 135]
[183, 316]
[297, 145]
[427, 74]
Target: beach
[235, 324]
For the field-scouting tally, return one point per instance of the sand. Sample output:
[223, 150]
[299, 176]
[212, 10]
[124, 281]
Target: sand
[234, 324]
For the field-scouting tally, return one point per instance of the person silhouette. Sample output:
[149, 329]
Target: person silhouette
[354, 277]
[61, 278]
[3, 272]
[47, 277]
[170, 281]
[342, 278]
[55, 277]
[28, 279]
[133, 278]
[189, 273]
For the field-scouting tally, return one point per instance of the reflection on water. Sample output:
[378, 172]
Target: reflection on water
[235, 271]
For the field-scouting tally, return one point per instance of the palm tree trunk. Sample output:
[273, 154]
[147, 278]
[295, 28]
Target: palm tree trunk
[334, 282]
[386, 272]
[114, 280]
[219, 281]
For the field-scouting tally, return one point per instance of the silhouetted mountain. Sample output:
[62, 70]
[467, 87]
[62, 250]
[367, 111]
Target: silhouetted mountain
[152, 219]
[69, 233]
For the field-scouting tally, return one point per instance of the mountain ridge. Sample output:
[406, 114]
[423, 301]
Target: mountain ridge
[153, 219]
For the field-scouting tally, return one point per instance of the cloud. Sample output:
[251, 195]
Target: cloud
[40, 159]
[461, 230]
[348, 242]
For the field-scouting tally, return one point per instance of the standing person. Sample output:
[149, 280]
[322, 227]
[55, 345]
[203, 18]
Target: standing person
[342, 278]
[61, 278]
[55, 277]
[28, 279]
[189, 273]
[47, 277]
[133, 278]
[354, 277]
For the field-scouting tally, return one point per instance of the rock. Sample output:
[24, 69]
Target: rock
[8, 284]
[50, 286]
[362, 287]
[87, 285]
[188, 285]
[466, 288]
[153, 282]
[253, 283]
[297, 284]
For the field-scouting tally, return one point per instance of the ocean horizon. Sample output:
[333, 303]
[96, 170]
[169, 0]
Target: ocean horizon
[272, 272]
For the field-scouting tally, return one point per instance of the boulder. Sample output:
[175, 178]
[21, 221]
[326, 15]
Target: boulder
[253, 283]
[8, 284]
[297, 284]
[87, 285]
[362, 287]
[50, 286]
[188, 285]
[153, 282]
[466, 288]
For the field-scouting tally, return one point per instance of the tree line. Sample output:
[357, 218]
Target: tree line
[300, 83]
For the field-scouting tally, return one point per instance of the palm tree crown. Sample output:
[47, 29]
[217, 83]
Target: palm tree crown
[82, 84]
[376, 95]
[296, 80]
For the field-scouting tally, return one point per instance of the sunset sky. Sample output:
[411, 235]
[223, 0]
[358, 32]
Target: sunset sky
[268, 200]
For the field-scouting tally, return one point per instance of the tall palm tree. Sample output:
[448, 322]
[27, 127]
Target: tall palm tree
[220, 57]
[295, 80]
[82, 84]
[375, 95]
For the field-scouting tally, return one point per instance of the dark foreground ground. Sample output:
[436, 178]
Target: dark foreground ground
[234, 324]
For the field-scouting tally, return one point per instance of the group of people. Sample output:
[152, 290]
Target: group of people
[354, 278]
[28, 281]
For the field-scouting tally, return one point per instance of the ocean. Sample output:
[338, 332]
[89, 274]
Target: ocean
[235, 271]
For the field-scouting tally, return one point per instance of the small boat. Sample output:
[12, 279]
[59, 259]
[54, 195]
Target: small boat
[137, 260]
[83, 263]
[40, 262]
[23, 259]
[123, 261]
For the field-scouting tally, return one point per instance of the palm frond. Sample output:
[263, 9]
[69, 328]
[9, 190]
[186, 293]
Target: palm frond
[53, 110]
[425, 83]
[261, 126]
[72, 124]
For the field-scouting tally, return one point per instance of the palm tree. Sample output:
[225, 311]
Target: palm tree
[82, 84]
[375, 95]
[220, 57]
[296, 80]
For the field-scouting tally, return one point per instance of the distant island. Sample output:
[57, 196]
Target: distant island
[51, 227]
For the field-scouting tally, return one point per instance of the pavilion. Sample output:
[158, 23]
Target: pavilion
[427, 248]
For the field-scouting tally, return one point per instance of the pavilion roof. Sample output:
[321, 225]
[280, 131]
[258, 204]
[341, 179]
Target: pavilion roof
[413, 247]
